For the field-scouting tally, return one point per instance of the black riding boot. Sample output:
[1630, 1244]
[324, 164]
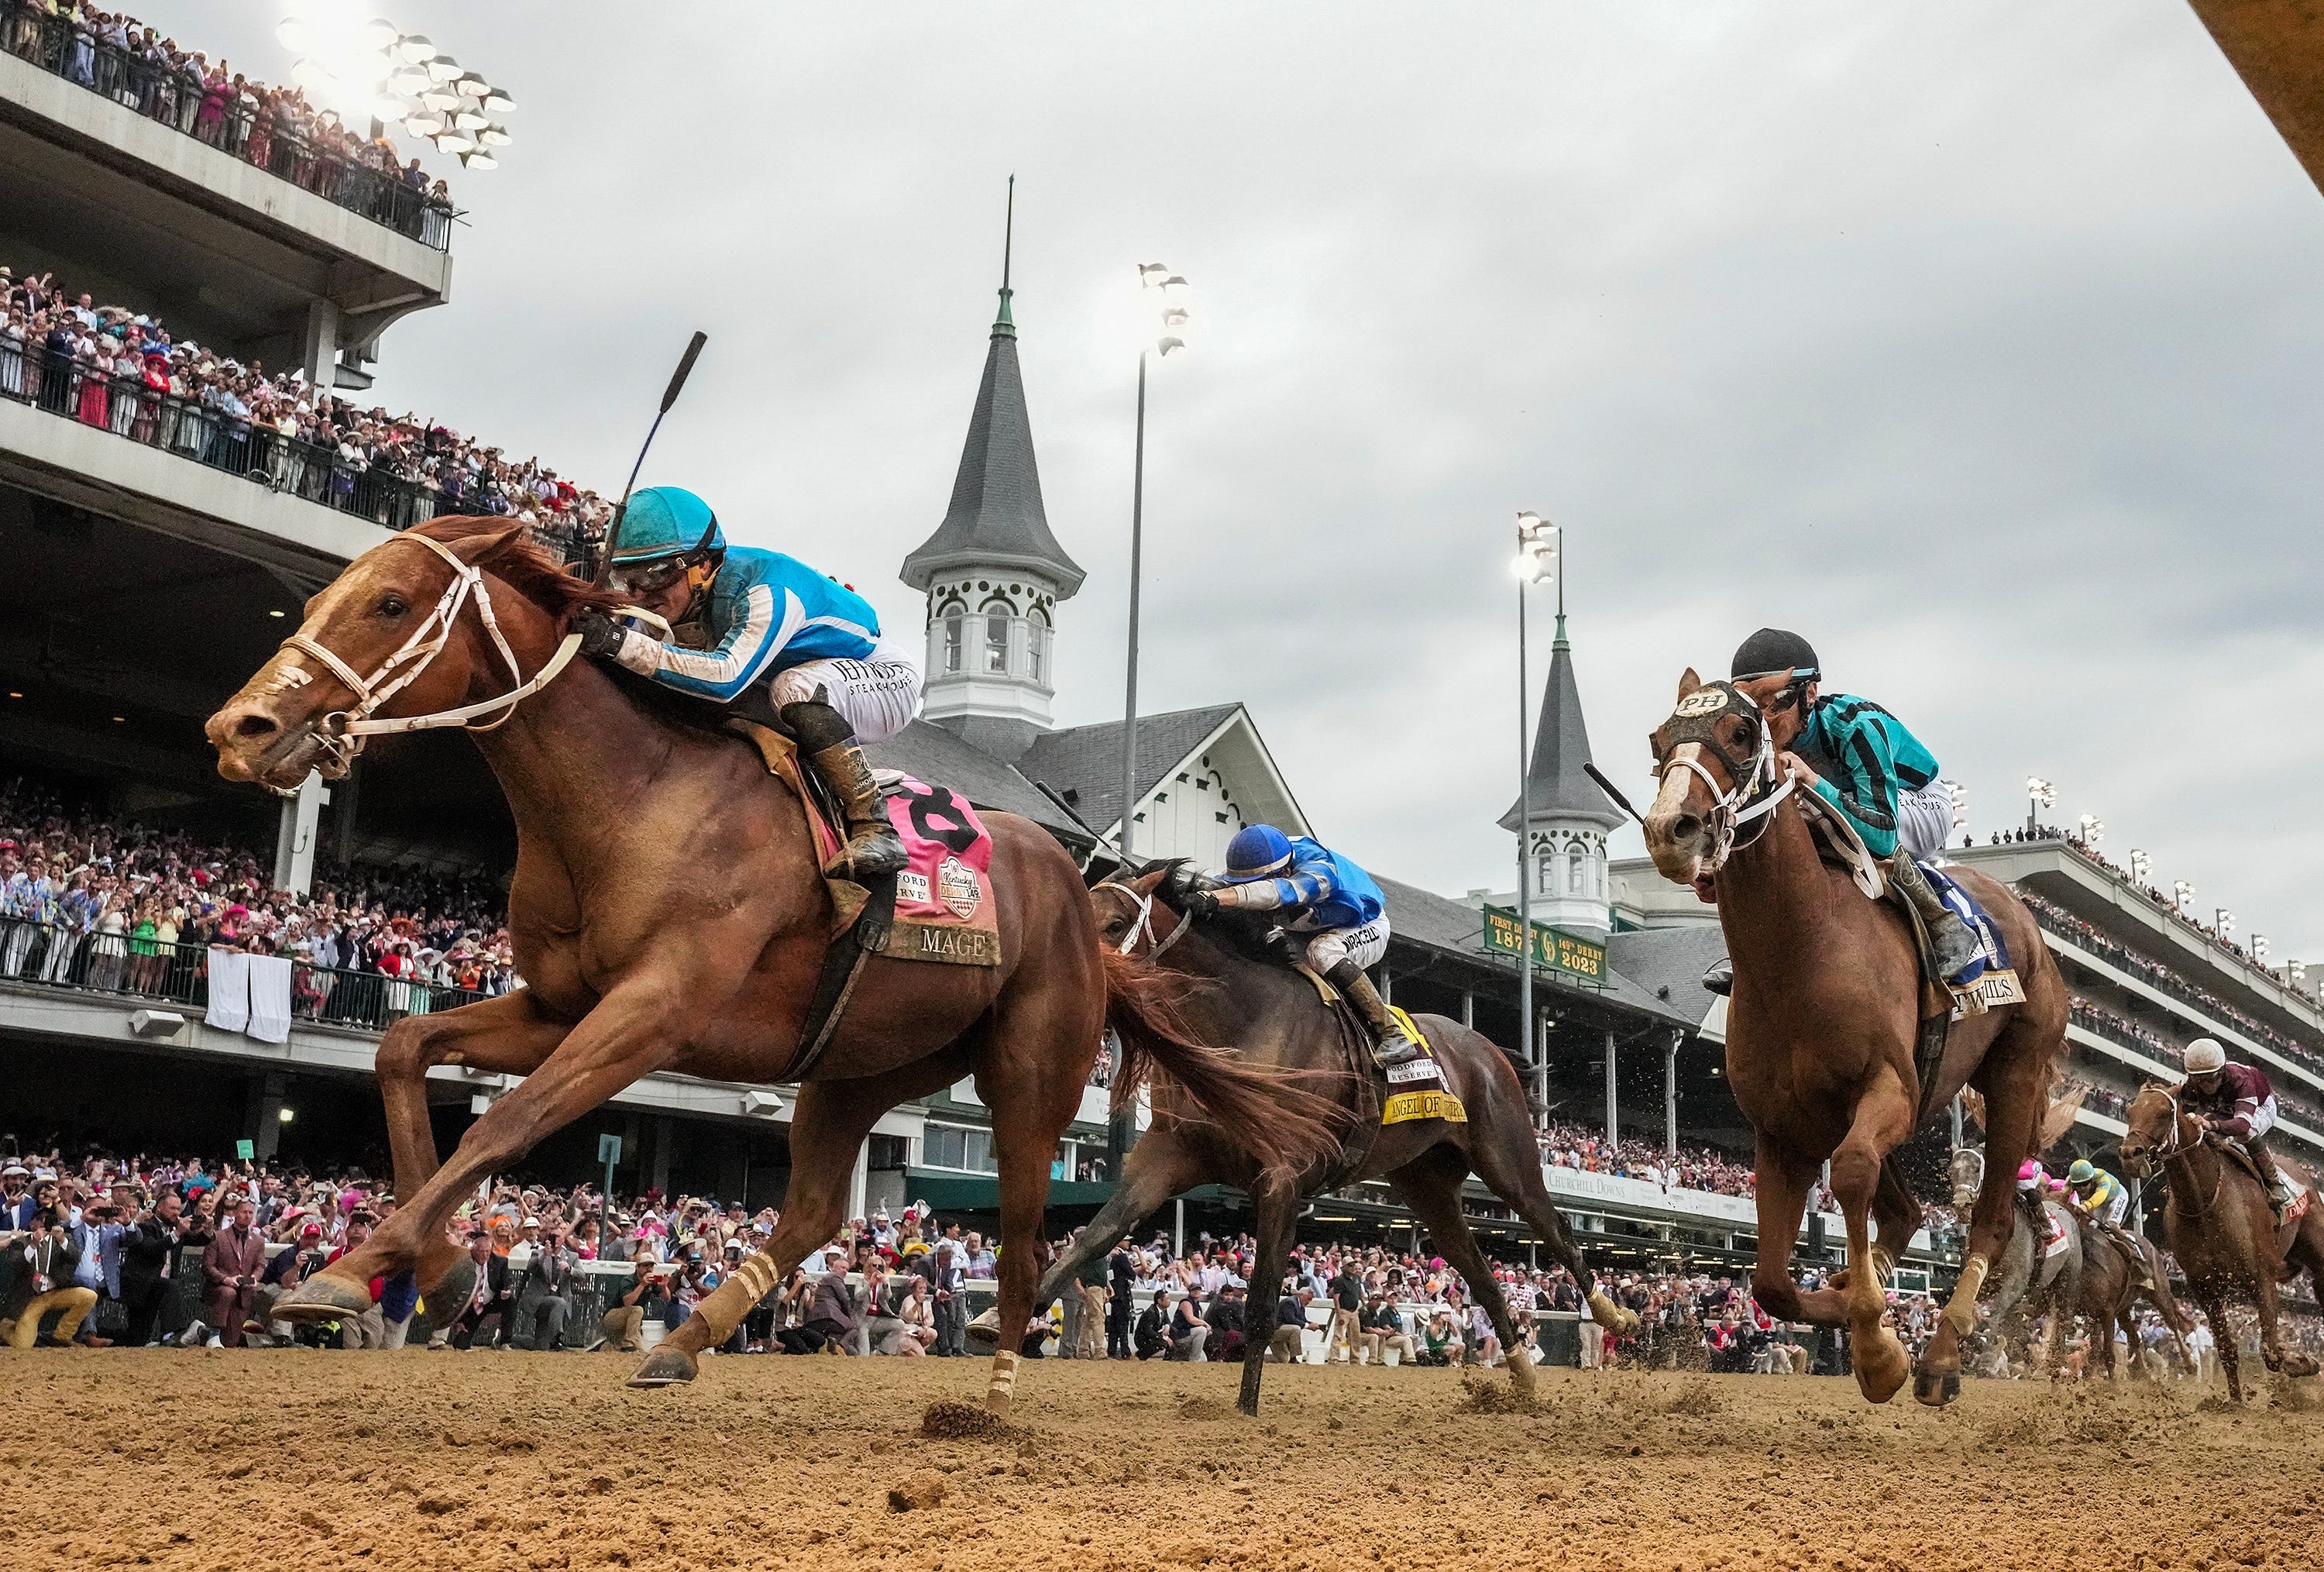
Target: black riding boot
[1719, 976]
[827, 741]
[1390, 1046]
[1956, 947]
[2279, 1188]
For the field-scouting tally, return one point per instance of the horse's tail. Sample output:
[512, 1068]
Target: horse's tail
[1281, 1123]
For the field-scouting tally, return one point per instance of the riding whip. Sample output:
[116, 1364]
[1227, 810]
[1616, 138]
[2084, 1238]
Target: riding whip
[669, 397]
[1608, 788]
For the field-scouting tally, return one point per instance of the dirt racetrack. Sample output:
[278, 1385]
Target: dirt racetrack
[238, 1460]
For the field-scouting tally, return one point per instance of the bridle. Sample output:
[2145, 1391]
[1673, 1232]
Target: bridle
[343, 731]
[1757, 788]
[2180, 1145]
[1142, 927]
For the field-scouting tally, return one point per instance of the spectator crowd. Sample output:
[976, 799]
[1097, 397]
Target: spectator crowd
[124, 372]
[1579, 1147]
[276, 129]
[94, 903]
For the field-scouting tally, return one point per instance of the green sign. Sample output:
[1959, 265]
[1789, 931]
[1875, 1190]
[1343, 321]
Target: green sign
[246, 1150]
[1553, 947]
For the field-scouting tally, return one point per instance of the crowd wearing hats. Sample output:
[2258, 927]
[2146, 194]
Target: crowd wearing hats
[1578, 1147]
[123, 370]
[277, 129]
[91, 901]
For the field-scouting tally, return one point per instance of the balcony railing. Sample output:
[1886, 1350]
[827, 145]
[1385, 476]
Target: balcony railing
[49, 379]
[122, 966]
[180, 99]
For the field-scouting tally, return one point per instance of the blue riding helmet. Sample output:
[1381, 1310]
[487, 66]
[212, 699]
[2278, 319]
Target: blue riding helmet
[667, 521]
[1259, 852]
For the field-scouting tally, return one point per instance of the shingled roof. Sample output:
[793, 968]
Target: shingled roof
[996, 519]
[1561, 746]
[1083, 762]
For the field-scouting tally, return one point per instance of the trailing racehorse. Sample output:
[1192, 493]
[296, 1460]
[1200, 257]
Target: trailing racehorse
[670, 915]
[2222, 1228]
[2111, 1288]
[1822, 1029]
[1231, 993]
[2028, 1274]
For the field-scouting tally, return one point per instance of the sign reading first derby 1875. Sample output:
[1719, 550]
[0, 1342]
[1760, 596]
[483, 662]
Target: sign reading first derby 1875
[1554, 947]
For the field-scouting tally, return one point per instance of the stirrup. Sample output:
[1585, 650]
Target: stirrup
[874, 850]
[1390, 1051]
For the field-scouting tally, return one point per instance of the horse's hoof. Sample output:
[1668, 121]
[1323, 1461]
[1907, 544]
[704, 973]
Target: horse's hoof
[983, 1334]
[321, 1298]
[457, 1285]
[998, 1401]
[2296, 1365]
[1935, 1391]
[1881, 1367]
[665, 1366]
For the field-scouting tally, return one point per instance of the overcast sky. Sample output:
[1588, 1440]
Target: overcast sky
[1982, 343]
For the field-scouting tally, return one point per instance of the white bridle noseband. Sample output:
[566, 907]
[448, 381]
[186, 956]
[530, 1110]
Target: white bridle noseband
[342, 733]
[1142, 927]
[1734, 807]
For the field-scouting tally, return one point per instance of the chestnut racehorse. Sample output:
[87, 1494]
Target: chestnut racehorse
[2221, 1229]
[1268, 1015]
[668, 914]
[1821, 1029]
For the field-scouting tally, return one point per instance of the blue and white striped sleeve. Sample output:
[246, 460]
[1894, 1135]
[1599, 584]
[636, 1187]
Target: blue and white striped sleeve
[739, 659]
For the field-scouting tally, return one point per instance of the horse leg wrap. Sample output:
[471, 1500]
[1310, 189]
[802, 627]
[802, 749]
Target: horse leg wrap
[1610, 1315]
[1520, 1369]
[1960, 1310]
[1003, 1388]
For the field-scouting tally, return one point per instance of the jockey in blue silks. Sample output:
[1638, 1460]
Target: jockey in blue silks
[1859, 759]
[1328, 901]
[742, 617]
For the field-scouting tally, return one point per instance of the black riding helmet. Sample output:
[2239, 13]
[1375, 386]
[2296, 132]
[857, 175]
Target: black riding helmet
[1771, 653]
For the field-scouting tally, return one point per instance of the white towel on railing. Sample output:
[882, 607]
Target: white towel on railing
[229, 1006]
[270, 998]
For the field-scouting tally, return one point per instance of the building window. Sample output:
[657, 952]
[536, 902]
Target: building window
[955, 636]
[961, 1148]
[1036, 647]
[1574, 877]
[996, 639]
[1544, 873]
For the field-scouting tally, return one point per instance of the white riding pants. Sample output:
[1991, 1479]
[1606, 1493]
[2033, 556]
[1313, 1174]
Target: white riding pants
[879, 696]
[1924, 820]
[1364, 945]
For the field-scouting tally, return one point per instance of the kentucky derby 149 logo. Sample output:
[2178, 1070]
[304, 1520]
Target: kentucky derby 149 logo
[957, 888]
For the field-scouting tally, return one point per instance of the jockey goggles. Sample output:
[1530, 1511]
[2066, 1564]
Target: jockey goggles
[652, 577]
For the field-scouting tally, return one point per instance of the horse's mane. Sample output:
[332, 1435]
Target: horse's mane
[524, 565]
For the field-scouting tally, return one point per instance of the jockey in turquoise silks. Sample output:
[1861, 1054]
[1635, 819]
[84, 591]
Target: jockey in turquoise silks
[1859, 759]
[1329, 906]
[741, 617]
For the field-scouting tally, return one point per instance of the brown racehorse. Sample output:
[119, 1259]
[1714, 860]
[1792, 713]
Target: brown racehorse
[668, 915]
[1821, 1029]
[1252, 1003]
[2111, 1290]
[2221, 1229]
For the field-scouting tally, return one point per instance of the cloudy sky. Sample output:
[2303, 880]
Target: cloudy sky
[1983, 343]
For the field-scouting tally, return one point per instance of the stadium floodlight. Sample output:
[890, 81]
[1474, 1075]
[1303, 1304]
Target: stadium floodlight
[498, 102]
[389, 108]
[456, 142]
[444, 68]
[415, 48]
[478, 160]
[2139, 865]
[2182, 894]
[2040, 791]
[380, 34]
[2259, 947]
[1537, 542]
[297, 34]
[1957, 795]
[471, 85]
[426, 127]
[470, 119]
[2223, 919]
[492, 136]
[2093, 829]
[441, 99]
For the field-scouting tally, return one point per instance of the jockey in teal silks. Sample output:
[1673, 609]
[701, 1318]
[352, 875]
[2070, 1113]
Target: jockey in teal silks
[1328, 902]
[742, 617]
[1861, 760]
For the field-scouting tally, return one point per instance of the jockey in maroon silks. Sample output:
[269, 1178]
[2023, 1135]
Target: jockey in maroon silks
[2236, 1103]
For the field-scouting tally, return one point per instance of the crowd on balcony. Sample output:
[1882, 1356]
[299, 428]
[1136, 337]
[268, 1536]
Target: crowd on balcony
[93, 902]
[1579, 1147]
[124, 372]
[2084, 935]
[276, 129]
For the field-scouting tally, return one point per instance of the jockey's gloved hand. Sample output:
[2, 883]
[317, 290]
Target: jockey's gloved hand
[1199, 903]
[601, 635]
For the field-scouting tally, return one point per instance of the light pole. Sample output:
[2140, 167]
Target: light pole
[1540, 555]
[2039, 794]
[1166, 332]
[370, 67]
[2140, 865]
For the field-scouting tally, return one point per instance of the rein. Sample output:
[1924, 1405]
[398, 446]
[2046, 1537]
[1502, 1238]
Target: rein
[343, 733]
[2180, 1146]
[1143, 926]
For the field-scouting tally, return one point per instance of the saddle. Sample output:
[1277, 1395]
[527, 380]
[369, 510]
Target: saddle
[1943, 1000]
[1428, 1094]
